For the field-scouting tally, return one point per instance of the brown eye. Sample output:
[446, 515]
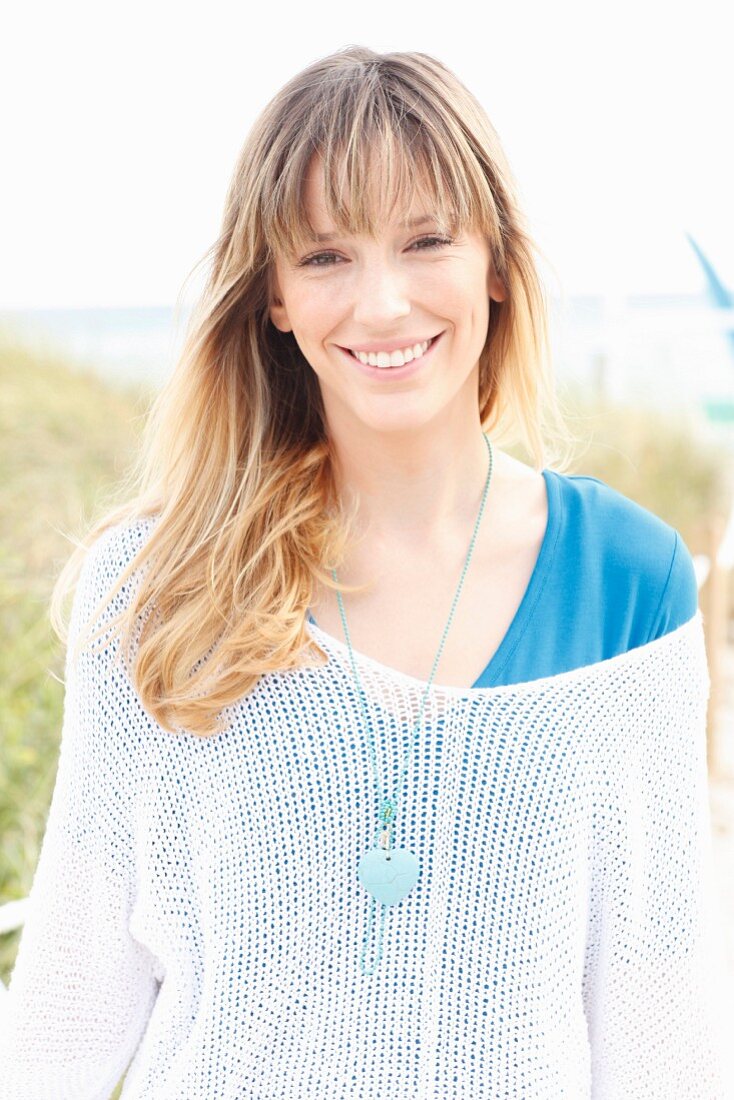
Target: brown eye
[433, 242]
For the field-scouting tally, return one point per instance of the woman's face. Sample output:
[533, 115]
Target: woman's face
[388, 294]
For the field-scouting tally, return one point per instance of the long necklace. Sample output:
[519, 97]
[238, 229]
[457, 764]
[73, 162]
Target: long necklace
[388, 873]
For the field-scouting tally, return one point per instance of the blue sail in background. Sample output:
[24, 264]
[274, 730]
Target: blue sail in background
[718, 294]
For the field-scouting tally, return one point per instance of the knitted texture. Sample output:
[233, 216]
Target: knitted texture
[196, 907]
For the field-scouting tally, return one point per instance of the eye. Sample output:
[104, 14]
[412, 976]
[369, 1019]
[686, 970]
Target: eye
[310, 261]
[433, 242]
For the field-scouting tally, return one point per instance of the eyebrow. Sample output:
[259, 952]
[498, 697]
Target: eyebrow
[413, 223]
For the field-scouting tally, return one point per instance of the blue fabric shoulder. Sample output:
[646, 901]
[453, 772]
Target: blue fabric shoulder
[650, 578]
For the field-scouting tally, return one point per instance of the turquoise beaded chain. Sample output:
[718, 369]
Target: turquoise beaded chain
[388, 873]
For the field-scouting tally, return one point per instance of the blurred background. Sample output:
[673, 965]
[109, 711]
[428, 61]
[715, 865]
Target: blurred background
[121, 129]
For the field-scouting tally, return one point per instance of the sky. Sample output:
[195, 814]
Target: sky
[122, 124]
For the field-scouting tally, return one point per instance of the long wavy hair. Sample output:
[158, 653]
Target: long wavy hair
[234, 462]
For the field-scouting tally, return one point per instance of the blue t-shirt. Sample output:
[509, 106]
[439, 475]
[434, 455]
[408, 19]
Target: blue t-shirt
[610, 576]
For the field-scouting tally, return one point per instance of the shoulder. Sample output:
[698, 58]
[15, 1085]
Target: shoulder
[642, 559]
[114, 548]
[106, 559]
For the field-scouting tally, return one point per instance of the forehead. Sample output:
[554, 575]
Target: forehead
[331, 206]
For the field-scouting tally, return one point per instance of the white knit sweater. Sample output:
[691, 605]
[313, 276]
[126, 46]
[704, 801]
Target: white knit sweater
[196, 906]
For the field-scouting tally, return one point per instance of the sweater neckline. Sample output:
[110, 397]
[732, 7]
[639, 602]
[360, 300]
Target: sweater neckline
[685, 634]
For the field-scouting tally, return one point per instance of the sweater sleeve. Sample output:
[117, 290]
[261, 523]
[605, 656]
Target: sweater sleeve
[654, 987]
[82, 988]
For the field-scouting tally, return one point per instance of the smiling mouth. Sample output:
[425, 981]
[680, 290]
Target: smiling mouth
[394, 360]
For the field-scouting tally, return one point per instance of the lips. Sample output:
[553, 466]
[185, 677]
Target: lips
[394, 373]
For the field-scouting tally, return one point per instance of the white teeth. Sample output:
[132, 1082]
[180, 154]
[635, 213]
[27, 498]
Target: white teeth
[397, 358]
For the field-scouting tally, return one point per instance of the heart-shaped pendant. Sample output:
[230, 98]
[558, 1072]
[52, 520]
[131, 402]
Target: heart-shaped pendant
[388, 874]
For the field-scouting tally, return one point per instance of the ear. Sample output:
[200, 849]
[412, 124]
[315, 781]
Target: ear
[495, 289]
[276, 308]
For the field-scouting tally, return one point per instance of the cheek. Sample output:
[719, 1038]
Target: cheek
[315, 309]
[467, 303]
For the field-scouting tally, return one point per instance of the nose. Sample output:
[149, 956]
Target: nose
[380, 297]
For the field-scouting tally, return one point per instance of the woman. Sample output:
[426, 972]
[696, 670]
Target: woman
[400, 785]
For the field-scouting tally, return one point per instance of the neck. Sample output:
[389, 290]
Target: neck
[410, 486]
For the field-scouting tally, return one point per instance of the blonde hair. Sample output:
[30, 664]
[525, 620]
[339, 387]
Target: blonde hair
[235, 462]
